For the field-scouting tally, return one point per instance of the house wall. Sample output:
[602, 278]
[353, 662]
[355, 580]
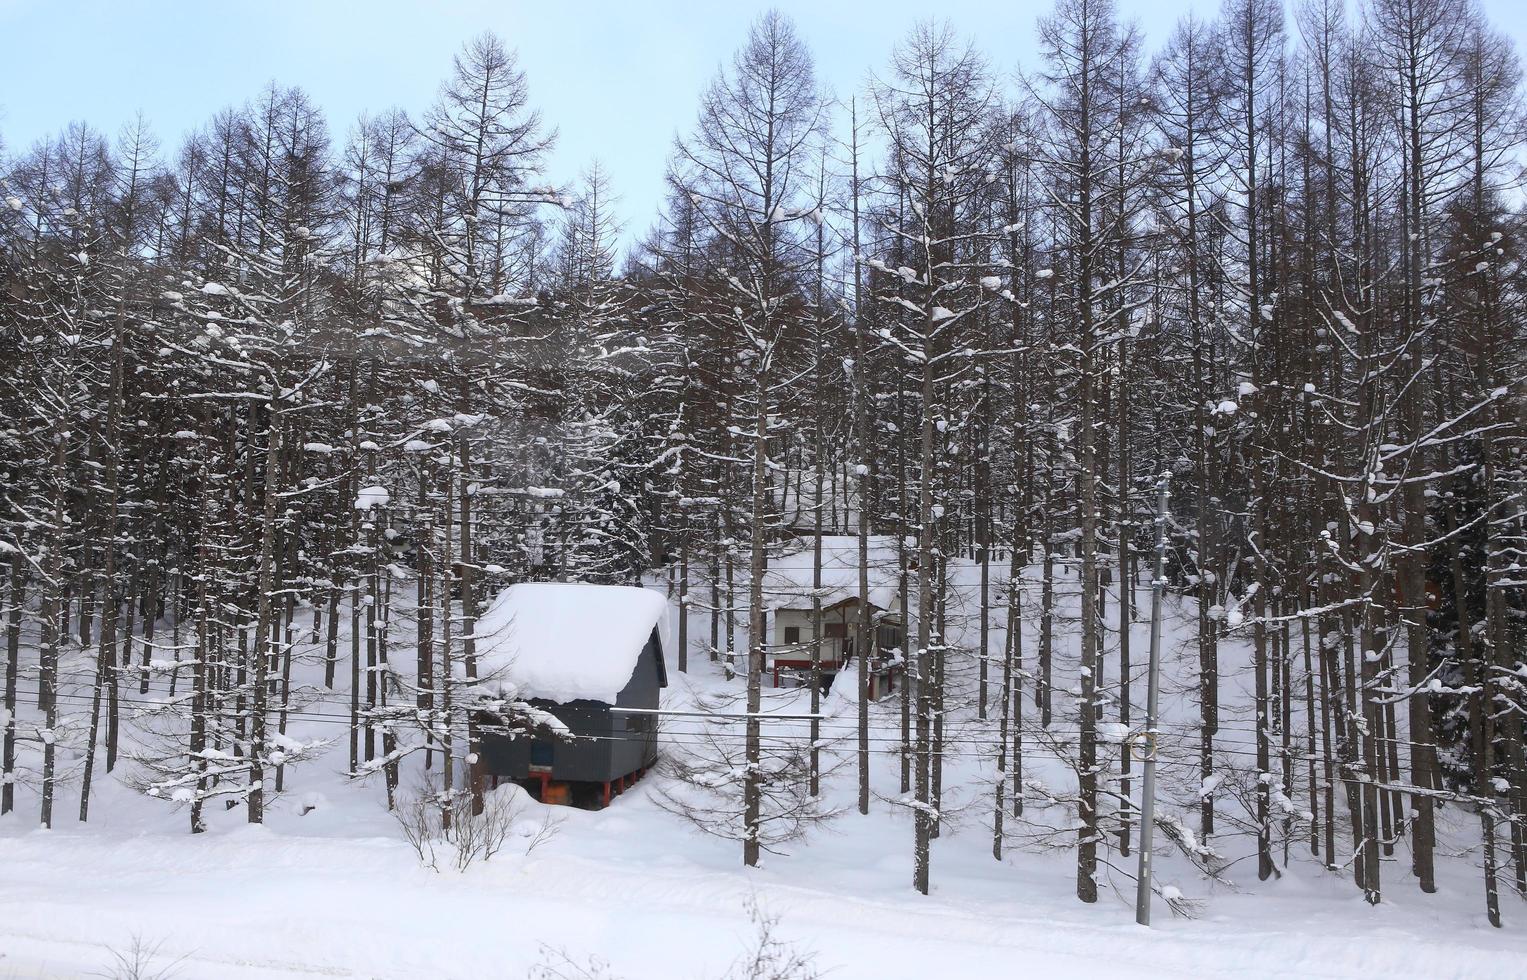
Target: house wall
[831, 647]
[637, 747]
[789, 657]
[791, 617]
[615, 747]
[579, 759]
[801, 618]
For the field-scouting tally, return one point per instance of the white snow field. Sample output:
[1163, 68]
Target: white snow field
[328, 887]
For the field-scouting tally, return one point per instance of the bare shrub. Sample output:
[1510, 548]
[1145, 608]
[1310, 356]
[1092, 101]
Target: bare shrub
[139, 962]
[444, 832]
[557, 964]
[418, 816]
[768, 957]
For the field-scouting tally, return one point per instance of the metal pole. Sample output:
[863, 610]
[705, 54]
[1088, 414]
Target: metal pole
[1148, 783]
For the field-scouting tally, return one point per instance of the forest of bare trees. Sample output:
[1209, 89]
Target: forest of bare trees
[297, 380]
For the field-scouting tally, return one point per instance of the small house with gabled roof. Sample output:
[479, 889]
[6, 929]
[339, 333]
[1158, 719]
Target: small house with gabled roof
[789, 588]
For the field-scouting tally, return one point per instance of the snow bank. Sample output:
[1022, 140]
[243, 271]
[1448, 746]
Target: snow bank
[567, 640]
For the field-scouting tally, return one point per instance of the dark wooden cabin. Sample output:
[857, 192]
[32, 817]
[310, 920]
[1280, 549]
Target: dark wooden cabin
[591, 656]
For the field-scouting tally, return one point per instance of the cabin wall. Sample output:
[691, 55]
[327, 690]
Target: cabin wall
[786, 618]
[843, 620]
[616, 744]
[847, 613]
[637, 747]
[581, 760]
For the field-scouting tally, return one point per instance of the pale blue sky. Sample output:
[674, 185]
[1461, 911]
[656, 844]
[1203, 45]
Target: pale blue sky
[618, 79]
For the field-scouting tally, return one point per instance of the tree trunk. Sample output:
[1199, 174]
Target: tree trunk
[13, 617]
[752, 782]
[265, 623]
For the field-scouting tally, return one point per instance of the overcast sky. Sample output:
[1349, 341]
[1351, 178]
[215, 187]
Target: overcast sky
[617, 79]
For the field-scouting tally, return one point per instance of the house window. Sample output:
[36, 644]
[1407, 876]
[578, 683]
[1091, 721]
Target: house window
[836, 631]
[792, 634]
[640, 723]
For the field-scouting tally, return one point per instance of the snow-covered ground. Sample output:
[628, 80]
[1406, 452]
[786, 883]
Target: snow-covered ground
[328, 886]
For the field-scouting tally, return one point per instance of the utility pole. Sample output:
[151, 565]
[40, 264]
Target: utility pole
[1148, 783]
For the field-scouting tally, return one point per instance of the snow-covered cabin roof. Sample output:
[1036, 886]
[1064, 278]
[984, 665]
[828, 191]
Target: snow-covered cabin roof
[567, 640]
[788, 580]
